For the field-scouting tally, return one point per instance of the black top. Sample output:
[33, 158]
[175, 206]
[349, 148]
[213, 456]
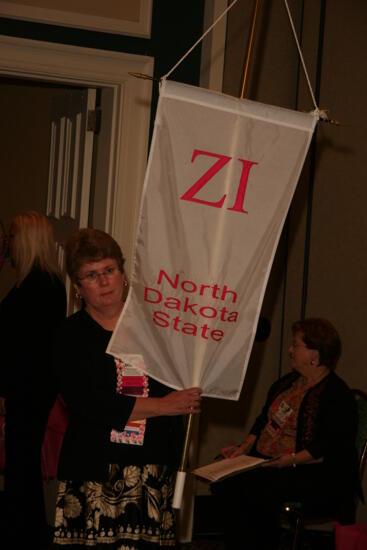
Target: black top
[326, 425]
[86, 377]
[28, 316]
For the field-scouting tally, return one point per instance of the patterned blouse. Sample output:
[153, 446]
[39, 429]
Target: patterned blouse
[279, 435]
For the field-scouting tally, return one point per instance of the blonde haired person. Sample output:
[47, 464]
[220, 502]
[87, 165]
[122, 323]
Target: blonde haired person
[32, 245]
[28, 316]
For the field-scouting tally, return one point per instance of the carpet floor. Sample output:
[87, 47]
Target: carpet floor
[313, 540]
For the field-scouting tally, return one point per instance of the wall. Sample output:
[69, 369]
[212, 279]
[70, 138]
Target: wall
[335, 240]
[171, 37]
[26, 116]
[338, 233]
[321, 263]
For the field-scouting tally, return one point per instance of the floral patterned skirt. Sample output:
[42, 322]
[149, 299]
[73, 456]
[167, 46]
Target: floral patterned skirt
[130, 511]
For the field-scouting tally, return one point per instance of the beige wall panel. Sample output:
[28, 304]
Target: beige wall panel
[308, 37]
[338, 260]
[128, 10]
[273, 62]
[130, 17]
[24, 146]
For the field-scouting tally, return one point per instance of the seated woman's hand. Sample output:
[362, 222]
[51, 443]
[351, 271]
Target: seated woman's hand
[232, 450]
[236, 450]
[181, 402]
[284, 461]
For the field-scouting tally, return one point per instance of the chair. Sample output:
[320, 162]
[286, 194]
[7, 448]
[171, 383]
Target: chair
[361, 441]
[292, 511]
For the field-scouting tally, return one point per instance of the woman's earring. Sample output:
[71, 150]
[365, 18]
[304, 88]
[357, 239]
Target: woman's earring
[125, 289]
[77, 295]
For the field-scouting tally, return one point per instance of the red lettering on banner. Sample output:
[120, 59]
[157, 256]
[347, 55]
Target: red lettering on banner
[163, 273]
[195, 311]
[148, 292]
[208, 312]
[189, 286]
[214, 290]
[189, 328]
[204, 332]
[232, 317]
[190, 194]
[238, 204]
[217, 335]
[159, 318]
[225, 291]
[199, 184]
[172, 303]
[189, 307]
[163, 320]
[176, 321]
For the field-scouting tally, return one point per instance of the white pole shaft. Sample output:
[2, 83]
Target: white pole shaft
[179, 488]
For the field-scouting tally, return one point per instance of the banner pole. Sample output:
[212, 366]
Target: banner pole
[249, 49]
[181, 474]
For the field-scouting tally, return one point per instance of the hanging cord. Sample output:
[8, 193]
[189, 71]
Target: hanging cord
[200, 39]
[321, 113]
[301, 56]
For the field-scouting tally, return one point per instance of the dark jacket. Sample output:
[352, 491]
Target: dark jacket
[28, 317]
[86, 377]
[326, 427]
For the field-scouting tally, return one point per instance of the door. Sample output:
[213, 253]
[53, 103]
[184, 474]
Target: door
[70, 167]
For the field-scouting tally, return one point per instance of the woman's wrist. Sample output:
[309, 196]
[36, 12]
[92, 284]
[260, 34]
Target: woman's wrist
[244, 446]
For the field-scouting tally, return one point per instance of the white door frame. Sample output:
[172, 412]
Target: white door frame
[130, 121]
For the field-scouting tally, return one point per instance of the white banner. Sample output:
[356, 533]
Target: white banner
[220, 178]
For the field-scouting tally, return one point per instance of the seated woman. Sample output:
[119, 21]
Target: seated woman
[307, 428]
[122, 444]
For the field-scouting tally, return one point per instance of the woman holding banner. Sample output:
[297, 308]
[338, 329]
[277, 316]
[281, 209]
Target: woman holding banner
[123, 442]
[306, 430]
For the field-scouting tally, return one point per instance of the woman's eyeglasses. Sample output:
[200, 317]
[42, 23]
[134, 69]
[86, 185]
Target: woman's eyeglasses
[92, 277]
